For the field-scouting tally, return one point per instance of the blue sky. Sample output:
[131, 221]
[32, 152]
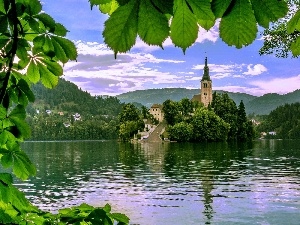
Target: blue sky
[144, 67]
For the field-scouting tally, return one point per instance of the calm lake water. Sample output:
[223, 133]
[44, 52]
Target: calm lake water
[171, 183]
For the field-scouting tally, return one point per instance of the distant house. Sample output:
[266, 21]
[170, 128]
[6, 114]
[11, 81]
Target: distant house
[77, 117]
[157, 112]
[67, 124]
[61, 113]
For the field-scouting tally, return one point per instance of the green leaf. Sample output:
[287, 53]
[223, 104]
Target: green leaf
[22, 126]
[33, 72]
[59, 52]
[267, 11]
[15, 157]
[34, 8]
[18, 113]
[99, 2]
[39, 41]
[67, 46]
[107, 208]
[153, 27]
[7, 123]
[123, 2]
[109, 8]
[120, 217]
[48, 46]
[3, 112]
[294, 23]
[3, 24]
[23, 85]
[60, 30]
[53, 67]
[3, 41]
[47, 20]
[22, 53]
[295, 47]
[165, 7]
[6, 178]
[238, 27]
[121, 28]
[219, 7]
[49, 80]
[184, 27]
[22, 166]
[203, 12]
[34, 25]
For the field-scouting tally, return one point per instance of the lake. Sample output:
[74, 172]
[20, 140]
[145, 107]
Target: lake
[171, 183]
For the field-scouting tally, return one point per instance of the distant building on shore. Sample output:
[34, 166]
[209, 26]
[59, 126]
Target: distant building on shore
[157, 112]
[205, 95]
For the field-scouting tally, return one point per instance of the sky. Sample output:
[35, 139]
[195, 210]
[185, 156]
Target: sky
[147, 67]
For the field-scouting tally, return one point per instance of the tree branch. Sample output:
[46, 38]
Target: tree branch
[12, 51]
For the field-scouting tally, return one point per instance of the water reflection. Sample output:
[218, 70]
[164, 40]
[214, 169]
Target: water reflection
[171, 183]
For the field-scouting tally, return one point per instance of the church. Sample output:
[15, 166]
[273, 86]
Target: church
[205, 95]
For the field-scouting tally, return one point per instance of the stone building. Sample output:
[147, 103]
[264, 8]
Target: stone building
[205, 95]
[157, 112]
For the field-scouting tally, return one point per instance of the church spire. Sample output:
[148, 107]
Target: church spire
[206, 71]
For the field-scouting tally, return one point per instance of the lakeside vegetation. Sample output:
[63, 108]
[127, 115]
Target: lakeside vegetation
[221, 121]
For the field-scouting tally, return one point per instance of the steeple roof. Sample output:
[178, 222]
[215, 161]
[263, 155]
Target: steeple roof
[206, 71]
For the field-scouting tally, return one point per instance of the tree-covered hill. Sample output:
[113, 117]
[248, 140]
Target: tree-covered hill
[263, 105]
[258, 105]
[151, 96]
[68, 113]
[283, 122]
[67, 97]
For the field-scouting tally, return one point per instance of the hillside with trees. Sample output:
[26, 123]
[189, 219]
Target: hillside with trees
[283, 122]
[68, 113]
[262, 105]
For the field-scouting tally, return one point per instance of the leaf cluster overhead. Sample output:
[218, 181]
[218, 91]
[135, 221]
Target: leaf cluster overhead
[154, 20]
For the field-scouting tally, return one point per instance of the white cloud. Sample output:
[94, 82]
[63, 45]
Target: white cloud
[210, 35]
[242, 89]
[128, 72]
[278, 85]
[255, 70]
[232, 70]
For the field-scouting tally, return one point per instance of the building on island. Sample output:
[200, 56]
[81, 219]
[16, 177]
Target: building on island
[157, 112]
[205, 95]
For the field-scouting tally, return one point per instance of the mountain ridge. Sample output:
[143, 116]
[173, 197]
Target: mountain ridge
[259, 105]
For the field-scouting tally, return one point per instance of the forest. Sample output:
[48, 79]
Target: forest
[283, 122]
[68, 113]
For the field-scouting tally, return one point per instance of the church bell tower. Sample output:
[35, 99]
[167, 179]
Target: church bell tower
[206, 86]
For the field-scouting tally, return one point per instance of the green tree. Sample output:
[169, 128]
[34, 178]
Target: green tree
[226, 109]
[207, 126]
[187, 107]
[130, 122]
[181, 132]
[171, 112]
[245, 128]
[283, 37]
